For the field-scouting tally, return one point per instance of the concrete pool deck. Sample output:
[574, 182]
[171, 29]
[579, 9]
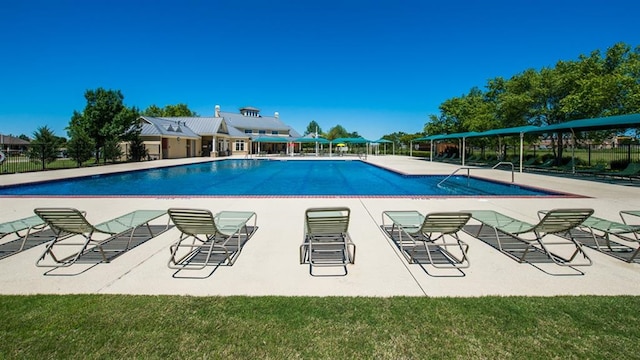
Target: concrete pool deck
[269, 265]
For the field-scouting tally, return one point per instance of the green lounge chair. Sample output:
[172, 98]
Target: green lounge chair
[597, 234]
[594, 170]
[545, 166]
[632, 170]
[454, 158]
[29, 233]
[524, 240]
[326, 241]
[68, 222]
[429, 237]
[215, 239]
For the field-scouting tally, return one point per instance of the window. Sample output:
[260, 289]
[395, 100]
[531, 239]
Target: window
[261, 132]
[248, 131]
[239, 145]
[274, 132]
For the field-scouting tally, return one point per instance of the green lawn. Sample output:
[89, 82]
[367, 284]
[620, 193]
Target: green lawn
[120, 326]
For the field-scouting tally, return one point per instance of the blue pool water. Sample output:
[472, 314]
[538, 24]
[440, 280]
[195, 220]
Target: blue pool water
[271, 177]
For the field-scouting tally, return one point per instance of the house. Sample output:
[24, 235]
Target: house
[13, 145]
[223, 134]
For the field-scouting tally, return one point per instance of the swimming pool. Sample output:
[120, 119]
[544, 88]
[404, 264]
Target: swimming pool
[248, 178]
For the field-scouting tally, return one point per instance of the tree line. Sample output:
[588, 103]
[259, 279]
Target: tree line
[594, 85]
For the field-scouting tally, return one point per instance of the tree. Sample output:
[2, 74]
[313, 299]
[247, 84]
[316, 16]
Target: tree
[337, 132]
[313, 128]
[45, 146]
[80, 147]
[105, 117]
[137, 150]
[178, 110]
[112, 150]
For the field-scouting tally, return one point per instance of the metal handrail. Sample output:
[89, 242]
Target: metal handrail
[476, 168]
[507, 163]
[455, 172]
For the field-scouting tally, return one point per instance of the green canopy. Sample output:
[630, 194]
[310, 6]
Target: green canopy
[356, 140]
[509, 131]
[311, 140]
[601, 123]
[272, 139]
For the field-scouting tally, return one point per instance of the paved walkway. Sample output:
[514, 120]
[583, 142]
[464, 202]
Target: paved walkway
[269, 265]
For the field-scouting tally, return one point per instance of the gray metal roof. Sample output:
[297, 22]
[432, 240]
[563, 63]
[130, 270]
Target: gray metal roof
[294, 133]
[236, 133]
[201, 125]
[254, 123]
[163, 127]
[233, 124]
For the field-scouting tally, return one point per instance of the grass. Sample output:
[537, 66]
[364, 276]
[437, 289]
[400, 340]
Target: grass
[125, 326]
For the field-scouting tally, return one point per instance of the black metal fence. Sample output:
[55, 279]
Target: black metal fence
[589, 155]
[34, 159]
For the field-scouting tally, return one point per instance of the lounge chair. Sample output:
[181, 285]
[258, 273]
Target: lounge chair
[326, 241]
[480, 161]
[29, 234]
[67, 222]
[215, 239]
[524, 240]
[545, 166]
[632, 170]
[454, 158]
[597, 234]
[430, 235]
[594, 170]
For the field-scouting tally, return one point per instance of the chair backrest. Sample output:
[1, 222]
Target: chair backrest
[632, 169]
[65, 219]
[333, 220]
[445, 222]
[193, 221]
[560, 220]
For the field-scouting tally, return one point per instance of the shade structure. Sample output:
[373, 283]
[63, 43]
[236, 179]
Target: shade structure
[385, 142]
[601, 123]
[353, 140]
[319, 140]
[272, 139]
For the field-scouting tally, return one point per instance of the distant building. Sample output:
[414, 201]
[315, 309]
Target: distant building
[10, 144]
[223, 134]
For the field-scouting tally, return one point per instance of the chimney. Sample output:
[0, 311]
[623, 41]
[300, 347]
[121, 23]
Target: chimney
[217, 112]
[277, 115]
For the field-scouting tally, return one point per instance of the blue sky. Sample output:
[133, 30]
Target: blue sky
[374, 67]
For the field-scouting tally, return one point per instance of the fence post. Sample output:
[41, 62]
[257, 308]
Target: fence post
[44, 162]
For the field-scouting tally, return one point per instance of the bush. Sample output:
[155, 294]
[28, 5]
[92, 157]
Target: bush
[618, 164]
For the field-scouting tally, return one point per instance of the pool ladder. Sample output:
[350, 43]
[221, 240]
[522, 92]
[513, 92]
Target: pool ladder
[477, 168]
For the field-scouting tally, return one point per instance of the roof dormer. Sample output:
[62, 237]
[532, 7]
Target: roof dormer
[250, 111]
